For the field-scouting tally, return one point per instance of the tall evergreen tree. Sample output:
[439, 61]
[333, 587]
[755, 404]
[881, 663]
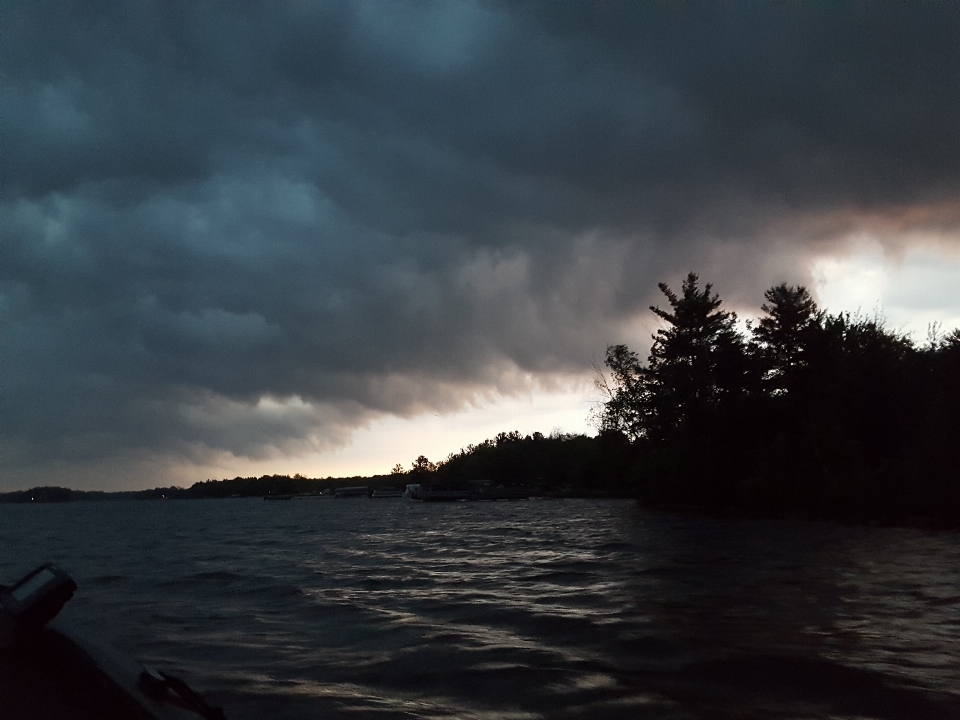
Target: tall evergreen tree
[782, 339]
[696, 360]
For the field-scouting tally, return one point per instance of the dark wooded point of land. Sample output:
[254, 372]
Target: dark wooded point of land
[807, 413]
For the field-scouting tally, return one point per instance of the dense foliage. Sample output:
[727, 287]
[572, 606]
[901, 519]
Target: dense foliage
[807, 412]
[558, 464]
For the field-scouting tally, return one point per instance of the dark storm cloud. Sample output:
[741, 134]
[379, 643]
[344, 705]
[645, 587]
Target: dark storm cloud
[237, 227]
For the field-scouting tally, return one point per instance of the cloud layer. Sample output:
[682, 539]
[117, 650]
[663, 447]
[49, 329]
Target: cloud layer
[247, 229]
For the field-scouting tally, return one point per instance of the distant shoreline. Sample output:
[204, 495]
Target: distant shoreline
[267, 486]
[264, 487]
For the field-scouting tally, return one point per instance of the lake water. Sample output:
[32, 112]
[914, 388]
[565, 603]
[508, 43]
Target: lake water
[542, 608]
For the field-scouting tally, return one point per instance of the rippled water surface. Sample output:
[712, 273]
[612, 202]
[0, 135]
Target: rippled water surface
[387, 609]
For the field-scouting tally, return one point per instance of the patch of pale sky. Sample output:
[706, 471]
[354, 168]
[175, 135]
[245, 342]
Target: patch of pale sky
[909, 290]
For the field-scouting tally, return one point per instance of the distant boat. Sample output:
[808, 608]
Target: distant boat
[278, 497]
[387, 494]
[434, 493]
[440, 493]
[351, 492]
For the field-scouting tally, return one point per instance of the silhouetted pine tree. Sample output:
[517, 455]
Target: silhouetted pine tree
[696, 360]
[782, 338]
[685, 403]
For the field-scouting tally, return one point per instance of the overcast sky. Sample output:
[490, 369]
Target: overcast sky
[253, 237]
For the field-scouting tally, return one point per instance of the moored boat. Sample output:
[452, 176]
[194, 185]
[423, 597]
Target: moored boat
[352, 492]
[435, 493]
[386, 493]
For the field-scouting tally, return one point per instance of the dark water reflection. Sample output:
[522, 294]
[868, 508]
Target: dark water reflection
[364, 608]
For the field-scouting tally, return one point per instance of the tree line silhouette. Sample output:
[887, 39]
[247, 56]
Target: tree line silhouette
[559, 464]
[807, 412]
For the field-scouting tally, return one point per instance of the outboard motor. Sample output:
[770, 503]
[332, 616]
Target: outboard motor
[49, 674]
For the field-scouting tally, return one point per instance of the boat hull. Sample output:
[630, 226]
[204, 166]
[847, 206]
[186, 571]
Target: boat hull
[55, 675]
